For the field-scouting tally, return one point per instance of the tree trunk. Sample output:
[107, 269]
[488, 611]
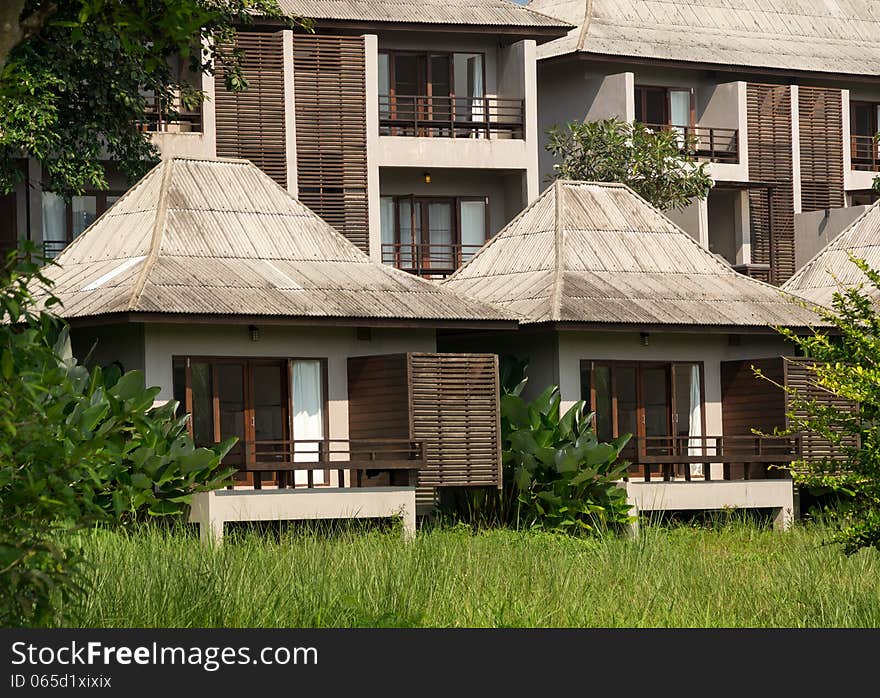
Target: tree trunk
[14, 29]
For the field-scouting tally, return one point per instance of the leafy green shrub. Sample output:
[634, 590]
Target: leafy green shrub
[845, 361]
[563, 477]
[77, 447]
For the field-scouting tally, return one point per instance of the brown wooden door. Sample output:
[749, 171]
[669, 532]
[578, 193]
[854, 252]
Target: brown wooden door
[8, 224]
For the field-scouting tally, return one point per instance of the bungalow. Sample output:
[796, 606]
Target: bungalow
[268, 325]
[624, 310]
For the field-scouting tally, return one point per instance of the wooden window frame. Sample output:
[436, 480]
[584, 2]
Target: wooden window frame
[613, 365]
[100, 209]
[875, 120]
[667, 106]
[424, 232]
[248, 397]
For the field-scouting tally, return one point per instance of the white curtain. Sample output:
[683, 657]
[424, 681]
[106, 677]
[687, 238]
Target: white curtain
[308, 416]
[680, 111]
[386, 215]
[695, 422]
[475, 87]
[54, 217]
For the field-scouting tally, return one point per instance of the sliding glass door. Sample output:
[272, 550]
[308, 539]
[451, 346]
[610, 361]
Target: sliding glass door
[659, 404]
[274, 407]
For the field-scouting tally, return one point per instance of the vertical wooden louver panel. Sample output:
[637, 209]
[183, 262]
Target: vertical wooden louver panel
[770, 161]
[820, 120]
[250, 124]
[455, 411]
[331, 131]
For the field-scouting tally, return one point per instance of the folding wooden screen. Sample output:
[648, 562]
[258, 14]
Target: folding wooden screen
[448, 401]
[749, 402]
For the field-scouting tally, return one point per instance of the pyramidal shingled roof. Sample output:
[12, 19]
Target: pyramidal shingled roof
[219, 237]
[588, 252]
[831, 268]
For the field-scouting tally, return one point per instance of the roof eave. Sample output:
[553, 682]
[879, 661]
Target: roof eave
[289, 321]
[583, 55]
[581, 326]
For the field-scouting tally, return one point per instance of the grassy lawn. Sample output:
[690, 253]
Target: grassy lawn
[732, 575]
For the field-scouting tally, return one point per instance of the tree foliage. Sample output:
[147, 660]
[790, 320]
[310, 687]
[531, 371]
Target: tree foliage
[77, 447]
[77, 76]
[655, 164]
[844, 359]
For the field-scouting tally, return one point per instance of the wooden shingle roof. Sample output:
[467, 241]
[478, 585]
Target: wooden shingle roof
[831, 269]
[826, 36]
[220, 238]
[597, 253]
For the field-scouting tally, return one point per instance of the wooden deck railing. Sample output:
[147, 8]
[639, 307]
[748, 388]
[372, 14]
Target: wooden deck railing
[712, 144]
[53, 248]
[865, 153]
[451, 116]
[400, 459]
[672, 456]
[427, 260]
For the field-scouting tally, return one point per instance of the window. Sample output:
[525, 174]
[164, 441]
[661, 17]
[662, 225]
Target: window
[62, 222]
[660, 404]
[432, 93]
[274, 407]
[864, 124]
[664, 106]
[432, 235]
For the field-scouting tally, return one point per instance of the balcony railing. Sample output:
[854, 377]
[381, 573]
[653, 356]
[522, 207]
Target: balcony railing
[865, 152]
[427, 260]
[397, 460]
[450, 116]
[711, 144]
[160, 119]
[742, 457]
[53, 248]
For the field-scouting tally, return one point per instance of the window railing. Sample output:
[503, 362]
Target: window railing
[367, 461]
[451, 117]
[427, 260]
[865, 153]
[719, 145]
[671, 457]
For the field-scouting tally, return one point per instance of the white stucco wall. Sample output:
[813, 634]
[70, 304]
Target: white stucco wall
[336, 344]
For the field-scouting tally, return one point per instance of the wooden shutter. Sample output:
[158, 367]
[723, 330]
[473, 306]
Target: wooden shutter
[331, 131]
[455, 411]
[799, 376]
[250, 124]
[770, 160]
[820, 117]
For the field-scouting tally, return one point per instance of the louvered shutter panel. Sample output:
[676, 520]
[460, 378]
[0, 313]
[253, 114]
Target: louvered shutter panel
[331, 131]
[251, 124]
[770, 160]
[820, 117]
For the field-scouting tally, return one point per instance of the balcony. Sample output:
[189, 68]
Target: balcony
[865, 153]
[53, 248]
[720, 145]
[431, 261]
[170, 118]
[451, 117]
[742, 457]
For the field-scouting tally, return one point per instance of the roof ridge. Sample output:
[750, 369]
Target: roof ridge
[585, 25]
[835, 244]
[158, 230]
[558, 242]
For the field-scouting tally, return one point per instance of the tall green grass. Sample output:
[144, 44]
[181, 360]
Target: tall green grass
[734, 575]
